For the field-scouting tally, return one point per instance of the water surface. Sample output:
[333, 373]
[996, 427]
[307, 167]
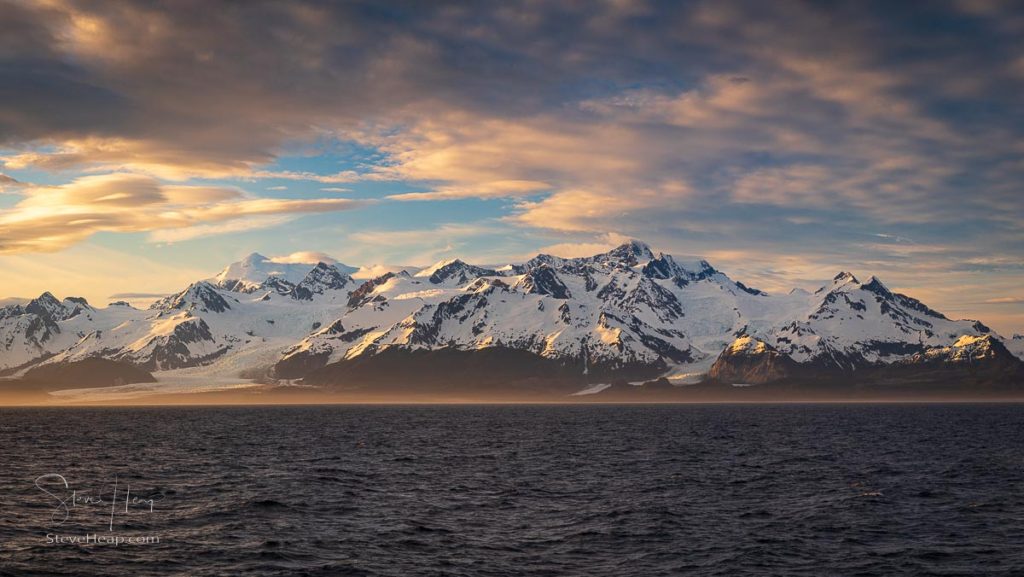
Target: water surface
[520, 490]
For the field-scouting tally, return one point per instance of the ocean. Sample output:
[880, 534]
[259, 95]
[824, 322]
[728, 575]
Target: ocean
[516, 490]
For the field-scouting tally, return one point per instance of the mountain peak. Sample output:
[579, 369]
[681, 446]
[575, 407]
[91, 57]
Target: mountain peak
[199, 295]
[453, 269]
[637, 248]
[46, 305]
[630, 253]
[876, 286]
[438, 266]
[324, 277]
[47, 296]
[844, 280]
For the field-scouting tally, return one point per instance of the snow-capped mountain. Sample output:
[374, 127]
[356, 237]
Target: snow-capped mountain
[628, 313]
[202, 326]
[38, 329]
[850, 324]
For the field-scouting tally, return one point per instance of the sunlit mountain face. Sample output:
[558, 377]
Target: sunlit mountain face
[143, 146]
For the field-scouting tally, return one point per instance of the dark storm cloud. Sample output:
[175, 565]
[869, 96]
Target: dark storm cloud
[233, 81]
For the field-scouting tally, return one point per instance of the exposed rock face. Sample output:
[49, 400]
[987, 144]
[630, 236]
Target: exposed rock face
[363, 294]
[543, 280]
[189, 343]
[750, 361]
[458, 272]
[970, 358]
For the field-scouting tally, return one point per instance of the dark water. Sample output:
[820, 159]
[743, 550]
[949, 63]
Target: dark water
[521, 490]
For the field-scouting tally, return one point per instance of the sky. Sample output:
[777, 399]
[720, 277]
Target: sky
[144, 145]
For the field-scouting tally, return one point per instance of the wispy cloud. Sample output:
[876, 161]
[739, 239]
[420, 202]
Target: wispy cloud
[181, 234]
[493, 189]
[1004, 301]
[9, 184]
[304, 257]
[425, 246]
[581, 249]
[137, 295]
[52, 218]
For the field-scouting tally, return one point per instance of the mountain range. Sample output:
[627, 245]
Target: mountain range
[561, 325]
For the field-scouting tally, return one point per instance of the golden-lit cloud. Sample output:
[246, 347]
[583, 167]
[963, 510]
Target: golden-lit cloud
[495, 189]
[425, 246]
[304, 257]
[603, 243]
[246, 224]
[52, 218]
[635, 154]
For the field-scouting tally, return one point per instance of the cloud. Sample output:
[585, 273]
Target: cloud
[181, 234]
[591, 210]
[9, 184]
[403, 238]
[494, 189]
[428, 245]
[55, 217]
[802, 105]
[304, 257]
[604, 243]
[656, 154]
[338, 177]
[1004, 301]
[375, 270]
[137, 295]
